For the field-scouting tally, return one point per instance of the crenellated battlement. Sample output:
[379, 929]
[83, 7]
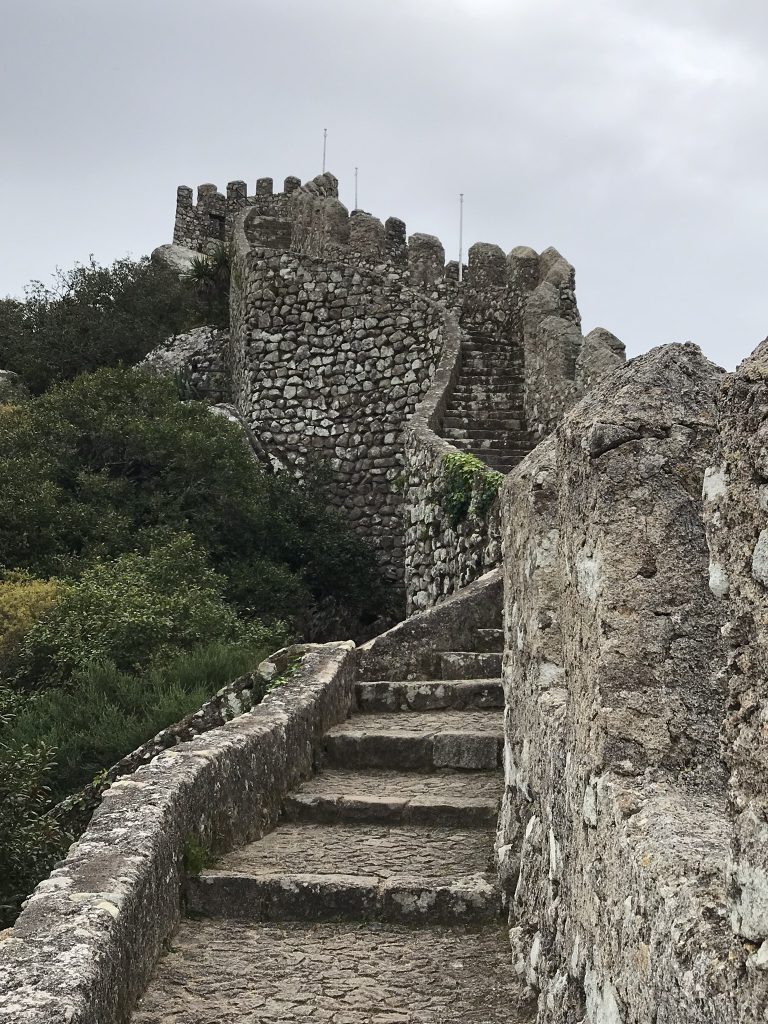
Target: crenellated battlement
[212, 218]
[309, 219]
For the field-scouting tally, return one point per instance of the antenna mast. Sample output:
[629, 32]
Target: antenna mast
[461, 236]
[355, 188]
[325, 146]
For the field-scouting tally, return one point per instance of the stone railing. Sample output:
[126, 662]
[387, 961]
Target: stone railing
[83, 948]
[440, 557]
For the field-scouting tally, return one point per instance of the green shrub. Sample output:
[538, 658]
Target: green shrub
[469, 487]
[105, 713]
[132, 611]
[31, 841]
[94, 316]
[98, 466]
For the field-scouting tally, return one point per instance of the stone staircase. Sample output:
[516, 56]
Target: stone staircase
[486, 411]
[374, 901]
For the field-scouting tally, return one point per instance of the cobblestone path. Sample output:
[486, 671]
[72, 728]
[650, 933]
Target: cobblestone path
[374, 900]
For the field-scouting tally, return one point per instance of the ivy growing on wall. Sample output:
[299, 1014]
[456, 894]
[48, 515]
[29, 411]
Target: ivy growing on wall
[469, 487]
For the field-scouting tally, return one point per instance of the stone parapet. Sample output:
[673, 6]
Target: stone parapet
[84, 947]
[615, 828]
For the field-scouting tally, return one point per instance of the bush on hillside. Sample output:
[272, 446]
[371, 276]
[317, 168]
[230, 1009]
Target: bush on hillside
[94, 316]
[24, 600]
[133, 611]
[95, 467]
[105, 713]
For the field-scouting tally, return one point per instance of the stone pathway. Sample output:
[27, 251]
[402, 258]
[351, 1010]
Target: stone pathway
[374, 901]
[486, 410]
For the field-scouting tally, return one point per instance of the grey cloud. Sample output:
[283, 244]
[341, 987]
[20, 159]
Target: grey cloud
[626, 134]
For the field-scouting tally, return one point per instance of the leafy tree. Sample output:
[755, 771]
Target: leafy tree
[93, 316]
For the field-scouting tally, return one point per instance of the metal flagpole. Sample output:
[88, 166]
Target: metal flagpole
[355, 188]
[325, 146]
[461, 236]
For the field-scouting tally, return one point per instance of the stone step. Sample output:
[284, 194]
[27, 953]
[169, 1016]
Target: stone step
[314, 871]
[453, 419]
[489, 365]
[516, 450]
[507, 447]
[461, 799]
[490, 640]
[431, 695]
[505, 410]
[484, 433]
[477, 378]
[218, 971]
[484, 382]
[501, 350]
[418, 739]
[469, 664]
[303, 896]
[485, 395]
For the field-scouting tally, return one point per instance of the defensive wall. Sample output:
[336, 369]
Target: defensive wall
[339, 323]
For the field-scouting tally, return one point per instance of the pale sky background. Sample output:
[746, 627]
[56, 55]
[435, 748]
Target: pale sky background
[629, 134]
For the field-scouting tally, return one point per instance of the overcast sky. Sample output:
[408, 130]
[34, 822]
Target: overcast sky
[629, 134]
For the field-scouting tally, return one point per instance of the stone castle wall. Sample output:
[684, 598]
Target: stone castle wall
[615, 830]
[211, 221]
[328, 361]
[338, 323]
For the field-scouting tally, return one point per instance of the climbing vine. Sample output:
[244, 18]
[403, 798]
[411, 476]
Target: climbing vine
[469, 487]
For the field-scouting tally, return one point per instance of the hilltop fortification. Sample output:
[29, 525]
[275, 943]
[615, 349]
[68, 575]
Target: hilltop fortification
[356, 345]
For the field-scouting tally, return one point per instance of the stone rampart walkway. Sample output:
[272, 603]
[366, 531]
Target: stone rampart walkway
[374, 900]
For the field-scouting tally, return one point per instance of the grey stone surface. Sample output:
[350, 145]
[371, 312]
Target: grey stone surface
[405, 785]
[410, 650]
[371, 850]
[454, 798]
[222, 971]
[601, 354]
[735, 490]
[421, 740]
[198, 359]
[430, 696]
[178, 258]
[615, 830]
